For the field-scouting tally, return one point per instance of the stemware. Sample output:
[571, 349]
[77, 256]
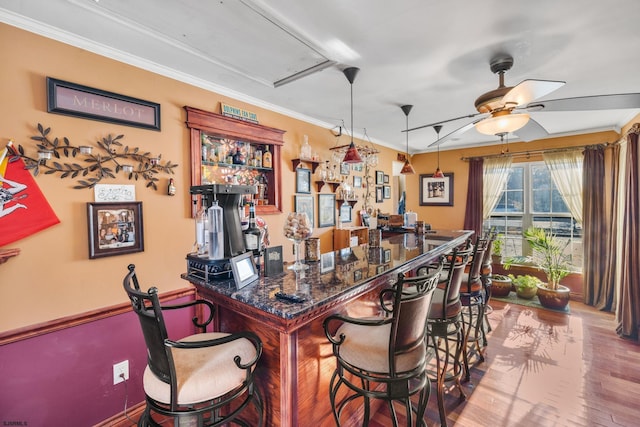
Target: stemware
[297, 227]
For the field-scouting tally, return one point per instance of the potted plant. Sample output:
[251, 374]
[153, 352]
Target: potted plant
[526, 285]
[500, 285]
[549, 256]
[496, 250]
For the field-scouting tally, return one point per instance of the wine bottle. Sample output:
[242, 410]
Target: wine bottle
[267, 161]
[252, 234]
[171, 188]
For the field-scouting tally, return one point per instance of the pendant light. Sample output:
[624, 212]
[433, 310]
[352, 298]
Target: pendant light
[407, 169]
[352, 155]
[438, 173]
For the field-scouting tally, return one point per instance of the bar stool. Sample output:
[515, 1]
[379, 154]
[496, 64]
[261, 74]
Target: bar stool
[445, 327]
[472, 296]
[385, 357]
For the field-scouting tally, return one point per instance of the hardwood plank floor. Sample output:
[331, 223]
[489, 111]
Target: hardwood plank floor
[544, 368]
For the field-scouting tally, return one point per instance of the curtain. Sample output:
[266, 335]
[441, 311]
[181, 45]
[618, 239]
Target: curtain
[566, 172]
[628, 304]
[598, 274]
[473, 210]
[495, 175]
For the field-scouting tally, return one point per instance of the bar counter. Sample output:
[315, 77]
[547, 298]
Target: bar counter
[297, 361]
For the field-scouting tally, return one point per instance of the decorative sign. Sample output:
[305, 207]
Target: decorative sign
[114, 193]
[238, 113]
[273, 261]
[82, 101]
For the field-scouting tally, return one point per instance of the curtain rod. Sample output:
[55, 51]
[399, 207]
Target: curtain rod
[634, 129]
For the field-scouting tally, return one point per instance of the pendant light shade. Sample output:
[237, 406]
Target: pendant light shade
[407, 168]
[438, 173]
[352, 155]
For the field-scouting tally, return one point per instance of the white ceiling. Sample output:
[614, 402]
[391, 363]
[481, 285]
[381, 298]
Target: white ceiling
[432, 54]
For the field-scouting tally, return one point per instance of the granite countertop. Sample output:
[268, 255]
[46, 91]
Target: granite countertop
[339, 273]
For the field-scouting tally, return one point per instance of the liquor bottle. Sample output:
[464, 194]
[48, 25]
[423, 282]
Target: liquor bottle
[171, 188]
[238, 158]
[252, 234]
[216, 232]
[267, 161]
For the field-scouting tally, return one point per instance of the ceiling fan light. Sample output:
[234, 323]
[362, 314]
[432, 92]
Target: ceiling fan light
[407, 169]
[503, 123]
[352, 155]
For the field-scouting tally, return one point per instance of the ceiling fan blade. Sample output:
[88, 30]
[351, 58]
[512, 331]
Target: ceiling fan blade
[455, 133]
[531, 131]
[530, 90]
[585, 103]
[468, 116]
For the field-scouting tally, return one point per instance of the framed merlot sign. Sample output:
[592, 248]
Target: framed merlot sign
[82, 101]
[436, 191]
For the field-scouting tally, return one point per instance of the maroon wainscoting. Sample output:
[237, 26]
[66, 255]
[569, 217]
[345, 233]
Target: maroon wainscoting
[65, 377]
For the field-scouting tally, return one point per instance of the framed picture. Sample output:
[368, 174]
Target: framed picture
[357, 275]
[244, 269]
[379, 177]
[357, 181]
[273, 261]
[386, 191]
[344, 168]
[76, 100]
[436, 191]
[387, 255]
[115, 228]
[305, 204]
[327, 262]
[385, 179]
[380, 269]
[379, 194]
[326, 210]
[356, 167]
[345, 212]
[303, 180]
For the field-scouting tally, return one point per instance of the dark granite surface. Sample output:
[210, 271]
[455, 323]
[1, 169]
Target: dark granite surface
[339, 272]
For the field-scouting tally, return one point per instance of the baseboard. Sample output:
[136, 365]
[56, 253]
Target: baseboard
[122, 420]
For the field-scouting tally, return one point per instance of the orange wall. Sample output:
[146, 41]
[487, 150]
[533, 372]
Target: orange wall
[53, 277]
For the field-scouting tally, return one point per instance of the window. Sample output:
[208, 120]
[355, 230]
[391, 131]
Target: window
[530, 198]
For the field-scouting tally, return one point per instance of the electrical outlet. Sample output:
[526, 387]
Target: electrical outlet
[119, 369]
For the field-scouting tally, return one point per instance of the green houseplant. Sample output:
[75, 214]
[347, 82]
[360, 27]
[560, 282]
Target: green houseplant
[496, 250]
[526, 285]
[549, 257]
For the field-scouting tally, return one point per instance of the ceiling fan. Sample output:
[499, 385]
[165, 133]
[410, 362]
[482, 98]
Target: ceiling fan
[506, 108]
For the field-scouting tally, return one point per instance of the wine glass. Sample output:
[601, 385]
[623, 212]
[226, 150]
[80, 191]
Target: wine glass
[297, 227]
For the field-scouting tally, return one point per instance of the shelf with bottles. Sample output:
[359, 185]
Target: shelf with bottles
[313, 163]
[226, 150]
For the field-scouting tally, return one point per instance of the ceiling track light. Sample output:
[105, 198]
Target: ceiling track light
[407, 168]
[352, 155]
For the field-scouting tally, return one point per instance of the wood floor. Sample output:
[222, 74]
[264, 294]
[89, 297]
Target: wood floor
[545, 368]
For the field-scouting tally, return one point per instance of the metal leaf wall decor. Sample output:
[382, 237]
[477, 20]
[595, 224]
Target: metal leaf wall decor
[90, 167]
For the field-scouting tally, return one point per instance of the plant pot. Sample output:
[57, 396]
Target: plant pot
[526, 292]
[500, 287]
[554, 299]
[496, 259]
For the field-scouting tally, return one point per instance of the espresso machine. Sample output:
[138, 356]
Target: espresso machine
[229, 198]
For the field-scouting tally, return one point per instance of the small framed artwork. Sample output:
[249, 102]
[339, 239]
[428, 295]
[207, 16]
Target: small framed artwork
[385, 179]
[305, 204]
[356, 167]
[327, 262]
[386, 191]
[115, 228]
[436, 191]
[326, 210]
[303, 180]
[344, 168]
[357, 275]
[387, 255]
[379, 194]
[345, 212]
[244, 269]
[379, 177]
[357, 181]
[380, 269]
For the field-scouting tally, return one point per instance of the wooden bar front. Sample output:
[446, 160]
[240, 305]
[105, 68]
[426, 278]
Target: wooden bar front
[297, 361]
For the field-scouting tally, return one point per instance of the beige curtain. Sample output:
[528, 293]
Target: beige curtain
[495, 175]
[566, 172]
